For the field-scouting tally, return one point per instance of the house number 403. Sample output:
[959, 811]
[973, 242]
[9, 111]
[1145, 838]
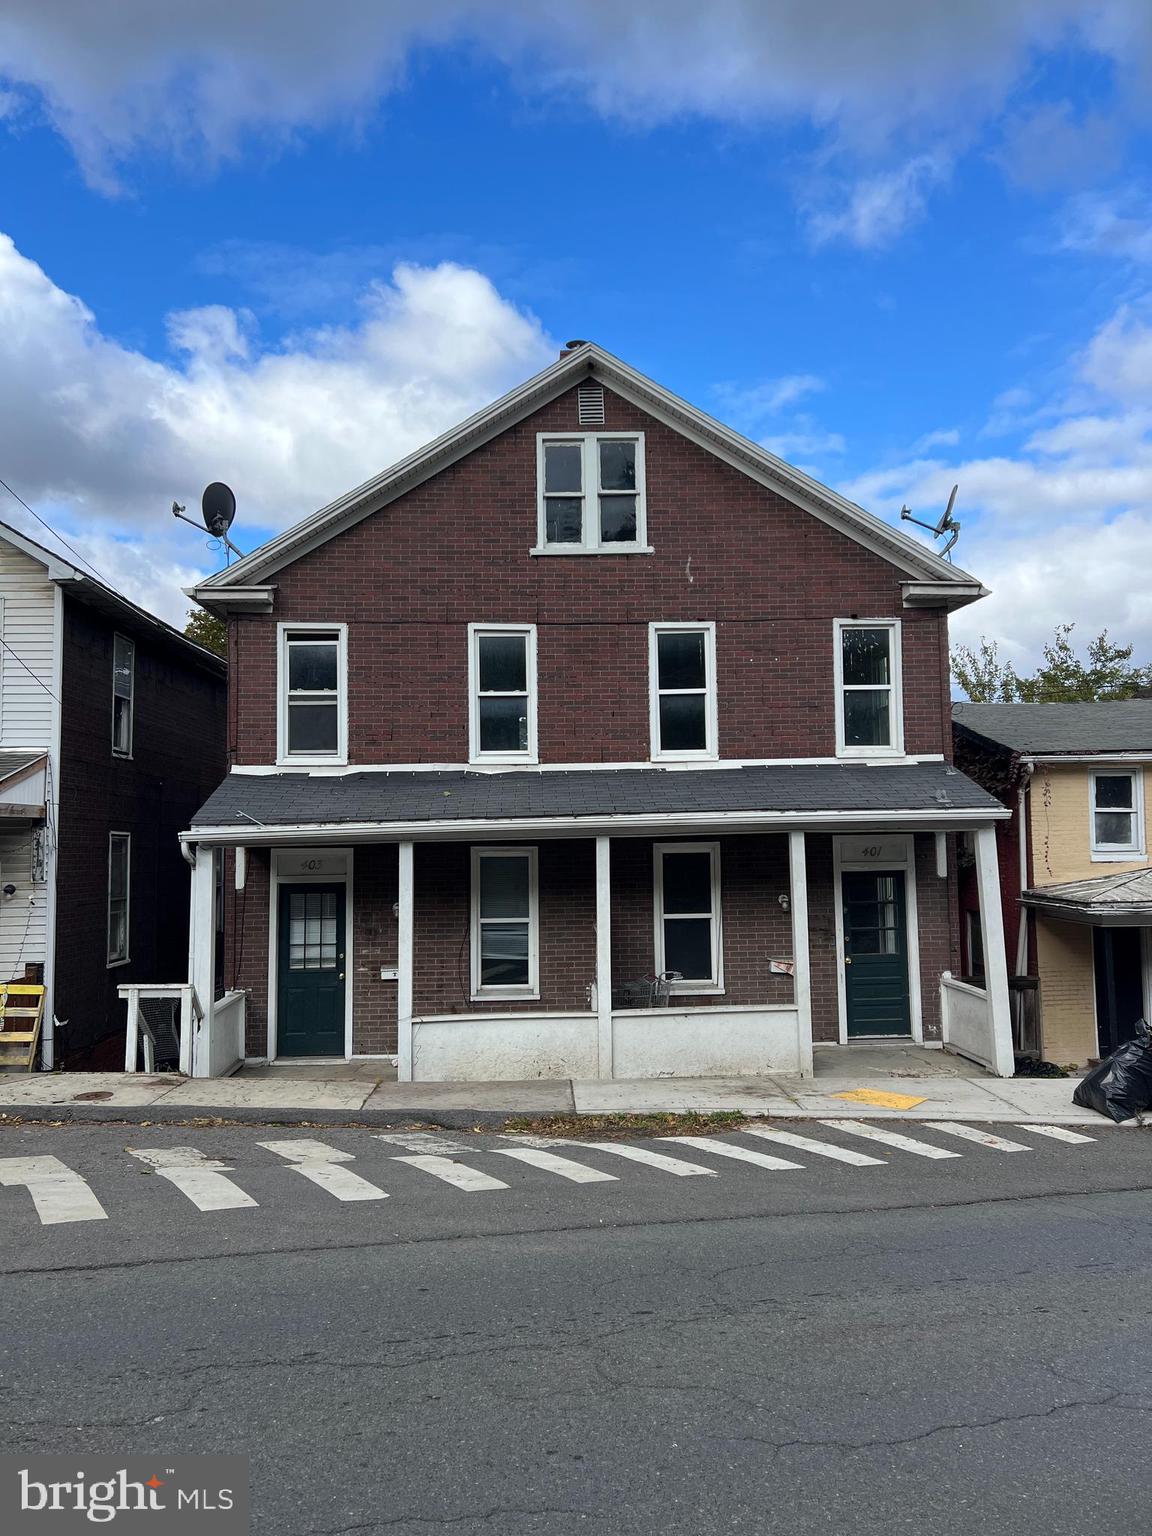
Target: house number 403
[312, 865]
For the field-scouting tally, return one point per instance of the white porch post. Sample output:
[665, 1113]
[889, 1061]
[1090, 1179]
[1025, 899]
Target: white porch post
[801, 963]
[404, 958]
[604, 956]
[995, 961]
[202, 953]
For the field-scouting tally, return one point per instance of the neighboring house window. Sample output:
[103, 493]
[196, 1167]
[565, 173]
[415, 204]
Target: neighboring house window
[123, 690]
[1117, 814]
[975, 947]
[682, 673]
[590, 493]
[505, 923]
[313, 715]
[119, 894]
[502, 687]
[687, 906]
[869, 713]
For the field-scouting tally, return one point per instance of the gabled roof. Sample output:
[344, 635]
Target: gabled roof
[1052, 730]
[940, 582]
[97, 594]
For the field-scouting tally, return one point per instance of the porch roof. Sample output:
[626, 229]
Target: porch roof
[1119, 900]
[456, 801]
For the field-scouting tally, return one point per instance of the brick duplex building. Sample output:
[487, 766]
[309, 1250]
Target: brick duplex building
[589, 740]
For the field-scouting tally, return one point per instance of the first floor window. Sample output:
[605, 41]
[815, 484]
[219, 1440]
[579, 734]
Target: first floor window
[503, 705]
[119, 883]
[504, 922]
[1116, 819]
[682, 663]
[312, 701]
[123, 689]
[688, 915]
[868, 669]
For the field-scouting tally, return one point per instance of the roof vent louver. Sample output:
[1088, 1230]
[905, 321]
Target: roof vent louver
[590, 402]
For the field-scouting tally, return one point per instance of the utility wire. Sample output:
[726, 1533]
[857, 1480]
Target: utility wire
[58, 536]
[38, 680]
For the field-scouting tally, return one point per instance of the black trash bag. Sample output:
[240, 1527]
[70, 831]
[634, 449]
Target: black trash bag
[1121, 1086]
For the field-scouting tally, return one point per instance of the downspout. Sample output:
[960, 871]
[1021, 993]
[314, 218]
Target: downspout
[1022, 802]
[52, 831]
[188, 851]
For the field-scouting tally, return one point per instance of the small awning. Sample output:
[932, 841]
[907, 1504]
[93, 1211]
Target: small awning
[1106, 901]
[23, 785]
[379, 804]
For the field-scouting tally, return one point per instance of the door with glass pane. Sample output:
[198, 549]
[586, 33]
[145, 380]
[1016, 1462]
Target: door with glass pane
[310, 981]
[875, 953]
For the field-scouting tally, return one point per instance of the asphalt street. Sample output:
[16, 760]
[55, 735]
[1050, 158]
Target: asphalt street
[477, 1343]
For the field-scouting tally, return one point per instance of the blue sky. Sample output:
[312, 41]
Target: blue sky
[282, 248]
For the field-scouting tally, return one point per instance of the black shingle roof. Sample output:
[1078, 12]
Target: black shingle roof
[302, 799]
[1123, 726]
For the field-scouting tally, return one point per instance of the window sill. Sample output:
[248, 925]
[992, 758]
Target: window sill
[114, 965]
[704, 990]
[1117, 855]
[685, 757]
[312, 762]
[571, 550]
[494, 760]
[523, 995]
[858, 754]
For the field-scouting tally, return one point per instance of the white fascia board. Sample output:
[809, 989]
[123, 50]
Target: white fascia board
[1032, 758]
[256, 599]
[942, 594]
[891, 544]
[693, 822]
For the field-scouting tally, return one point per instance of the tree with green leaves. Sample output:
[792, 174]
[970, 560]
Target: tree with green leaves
[208, 630]
[1062, 678]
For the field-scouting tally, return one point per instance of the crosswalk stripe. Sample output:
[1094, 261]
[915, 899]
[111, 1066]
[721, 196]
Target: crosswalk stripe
[1057, 1132]
[889, 1138]
[727, 1149]
[451, 1172]
[675, 1165]
[537, 1157]
[321, 1164]
[419, 1141]
[58, 1194]
[199, 1177]
[981, 1138]
[817, 1148]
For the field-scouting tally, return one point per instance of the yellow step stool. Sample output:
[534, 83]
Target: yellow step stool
[21, 1017]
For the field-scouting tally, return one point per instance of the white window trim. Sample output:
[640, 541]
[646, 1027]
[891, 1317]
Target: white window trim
[532, 990]
[284, 758]
[895, 747]
[475, 631]
[1114, 853]
[693, 988]
[711, 720]
[590, 544]
[125, 959]
[124, 752]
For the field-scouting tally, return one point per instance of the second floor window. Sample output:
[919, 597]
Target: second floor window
[682, 668]
[869, 711]
[123, 691]
[502, 713]
[591, 493]
[1117, 822]
[313, 704]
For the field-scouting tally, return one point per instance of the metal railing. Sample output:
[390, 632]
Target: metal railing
[142, 1033]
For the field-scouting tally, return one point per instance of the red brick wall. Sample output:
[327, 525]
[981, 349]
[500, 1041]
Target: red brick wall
[409, 579]
[177, 760]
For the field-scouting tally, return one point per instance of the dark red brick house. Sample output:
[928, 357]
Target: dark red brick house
[112, 731]
[589, 740]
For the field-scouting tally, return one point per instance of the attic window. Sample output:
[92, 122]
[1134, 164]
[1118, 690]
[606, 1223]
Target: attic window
[590, 404]
[590, 494]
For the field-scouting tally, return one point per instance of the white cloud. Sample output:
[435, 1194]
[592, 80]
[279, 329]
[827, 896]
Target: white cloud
[875, 211]
[1116, 224]
[751, 403]
[1052, 146]
[199, 77]
[107, 436]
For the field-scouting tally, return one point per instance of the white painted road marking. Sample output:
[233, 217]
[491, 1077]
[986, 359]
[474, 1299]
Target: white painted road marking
[1057, 1132]
[458, 1174]
[674, 1165]
[419, 1141]
[726, 1149]
[981, 1138]
[889, 1138]
[57, 1193]
[818, 1148]
[200, 1178]
[320, 1164]
[537, 1157]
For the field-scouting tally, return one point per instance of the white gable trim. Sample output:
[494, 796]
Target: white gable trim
[891, 544]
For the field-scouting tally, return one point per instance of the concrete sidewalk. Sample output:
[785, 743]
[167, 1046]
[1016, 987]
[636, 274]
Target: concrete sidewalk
[861, 1095]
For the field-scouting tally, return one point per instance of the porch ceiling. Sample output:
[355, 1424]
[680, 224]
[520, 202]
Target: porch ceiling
[256, 807]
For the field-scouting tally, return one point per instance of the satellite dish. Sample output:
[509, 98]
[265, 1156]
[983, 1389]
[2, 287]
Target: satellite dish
[219, 507]
[946, 521]
[947, 524]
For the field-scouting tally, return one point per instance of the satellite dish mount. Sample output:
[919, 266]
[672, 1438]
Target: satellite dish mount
[218, 508]
[947, 524]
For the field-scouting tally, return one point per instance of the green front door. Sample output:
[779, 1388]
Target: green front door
[875, 953]
[310, 978]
